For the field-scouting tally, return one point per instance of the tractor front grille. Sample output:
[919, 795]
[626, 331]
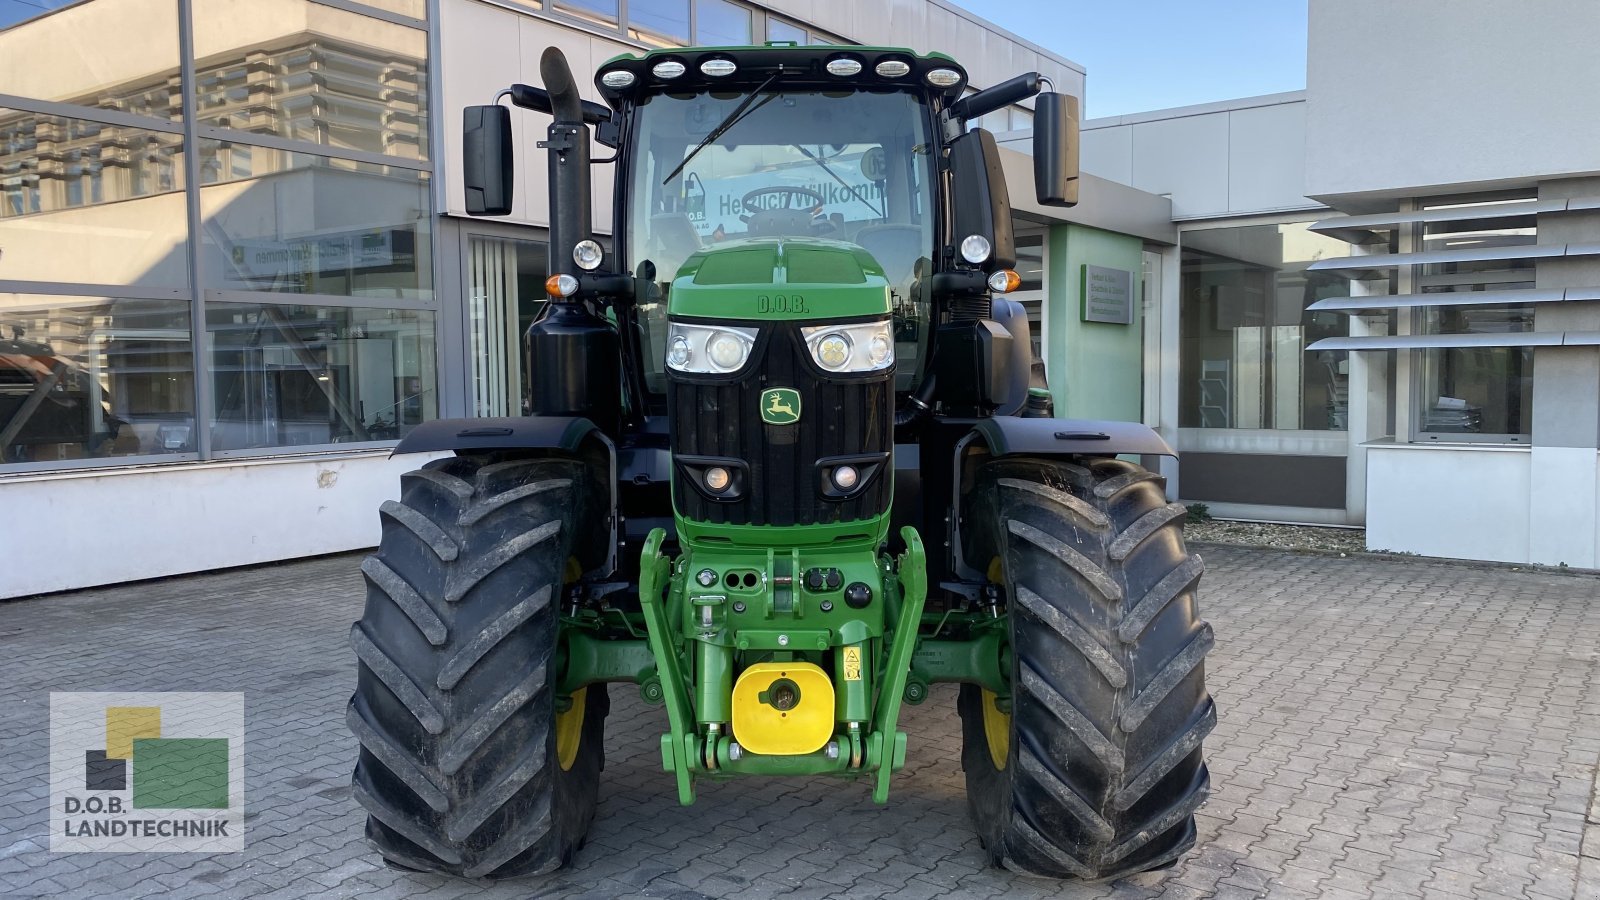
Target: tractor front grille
[839, 416]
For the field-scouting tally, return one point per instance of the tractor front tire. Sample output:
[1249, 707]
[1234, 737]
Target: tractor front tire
[470, 764]
[1094, 771]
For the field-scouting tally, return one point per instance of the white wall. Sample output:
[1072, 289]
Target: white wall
[1410, 96]
[1234, 158]
[1509, 504]
[83, 529]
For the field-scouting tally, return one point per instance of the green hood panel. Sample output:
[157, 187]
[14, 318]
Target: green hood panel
[780, 278]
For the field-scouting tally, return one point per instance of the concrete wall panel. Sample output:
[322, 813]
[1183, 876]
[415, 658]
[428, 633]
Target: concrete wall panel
[170, 520]
[1412, 96]
[1464, 503]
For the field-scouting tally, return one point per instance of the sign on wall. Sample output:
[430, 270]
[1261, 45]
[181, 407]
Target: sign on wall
[1107, 295]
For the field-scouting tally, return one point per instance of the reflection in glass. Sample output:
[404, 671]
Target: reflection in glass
[291, 376]
[505, 294]
[600, 12]
[302, 224]
[90, 203]
[416, 9]
[111, 54]
[779, 30]
[719, 23]
[1245, 326]
[663, 23]
[299, 70]
[89, 377]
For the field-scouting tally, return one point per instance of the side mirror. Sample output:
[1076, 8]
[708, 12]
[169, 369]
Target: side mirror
[1055, 149]
[487, 160]
[980, 204]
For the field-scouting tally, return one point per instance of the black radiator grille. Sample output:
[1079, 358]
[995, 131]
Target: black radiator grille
[837, 418]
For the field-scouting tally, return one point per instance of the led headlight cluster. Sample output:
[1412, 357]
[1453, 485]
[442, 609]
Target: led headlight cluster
[708, 349]
[864, 347]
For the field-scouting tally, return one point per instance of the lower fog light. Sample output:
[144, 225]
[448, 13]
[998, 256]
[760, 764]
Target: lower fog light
[718, 479]
[845, 477]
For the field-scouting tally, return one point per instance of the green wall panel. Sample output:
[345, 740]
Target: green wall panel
[1094, 367]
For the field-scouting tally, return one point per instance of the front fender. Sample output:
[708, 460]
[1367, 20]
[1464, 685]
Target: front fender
[1016, 436]
[575, 436]
[505, 433]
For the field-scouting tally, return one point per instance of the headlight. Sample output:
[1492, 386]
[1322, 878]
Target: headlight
[943, 78]
[668, 68]
[708, 349]
[975, 248]
[617, 78]
[587, 254]
[862, 347]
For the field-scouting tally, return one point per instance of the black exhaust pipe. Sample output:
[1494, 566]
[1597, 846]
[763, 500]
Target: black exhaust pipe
[567, 141]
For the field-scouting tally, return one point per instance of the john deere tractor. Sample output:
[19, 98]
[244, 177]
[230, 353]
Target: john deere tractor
[787, 467]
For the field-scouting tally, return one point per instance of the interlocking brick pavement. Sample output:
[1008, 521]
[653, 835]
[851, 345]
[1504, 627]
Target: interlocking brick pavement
[1389, 728]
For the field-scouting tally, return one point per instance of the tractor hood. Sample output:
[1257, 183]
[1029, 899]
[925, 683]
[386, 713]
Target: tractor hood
[780, 278]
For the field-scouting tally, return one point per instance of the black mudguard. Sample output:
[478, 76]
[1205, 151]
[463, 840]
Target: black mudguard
[507, 433]
[574, 436]
[1015, 436]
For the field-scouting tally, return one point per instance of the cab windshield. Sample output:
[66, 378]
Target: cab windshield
[850, 166]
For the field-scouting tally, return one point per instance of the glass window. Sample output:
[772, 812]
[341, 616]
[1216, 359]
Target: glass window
[1030, 293]
[1245, 326]
[90, 203]
[664, 23]
[416, 9]
[600, 12]
[111, 54]
[304, 224]
[719, 23]
[1021, 119]
[292, 376]
[505, 292]
[842, 165]
[779, 30]
[92, 377]
[298, 70]
[1476, 393]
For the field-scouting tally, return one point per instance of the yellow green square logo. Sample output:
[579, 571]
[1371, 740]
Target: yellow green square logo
[780, 406]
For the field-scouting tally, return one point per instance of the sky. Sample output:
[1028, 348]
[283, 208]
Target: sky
[1154, 54]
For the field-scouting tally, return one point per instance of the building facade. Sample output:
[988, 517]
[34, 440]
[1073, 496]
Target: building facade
[1385, 311]
[235, 266]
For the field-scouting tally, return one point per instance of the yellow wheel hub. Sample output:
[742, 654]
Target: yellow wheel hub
[996, 724]
[569, 724]
[569, 729]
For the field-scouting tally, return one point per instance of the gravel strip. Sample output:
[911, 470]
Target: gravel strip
[1282, 537]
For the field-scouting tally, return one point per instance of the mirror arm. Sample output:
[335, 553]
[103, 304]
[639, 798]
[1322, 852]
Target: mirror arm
[1001, 95]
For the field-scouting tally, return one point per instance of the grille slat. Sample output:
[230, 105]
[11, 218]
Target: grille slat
[723, 419]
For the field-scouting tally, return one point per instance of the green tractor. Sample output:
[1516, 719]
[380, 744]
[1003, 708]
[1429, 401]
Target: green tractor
[787, 466]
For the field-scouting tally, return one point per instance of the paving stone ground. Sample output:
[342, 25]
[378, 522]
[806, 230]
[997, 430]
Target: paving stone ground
[1389, 728]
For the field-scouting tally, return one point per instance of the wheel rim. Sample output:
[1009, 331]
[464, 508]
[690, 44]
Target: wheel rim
[569, 724]
[996, 724]
[569, 729]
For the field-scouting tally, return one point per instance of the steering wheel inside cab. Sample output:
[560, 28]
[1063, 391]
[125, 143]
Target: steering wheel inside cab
[785, 210]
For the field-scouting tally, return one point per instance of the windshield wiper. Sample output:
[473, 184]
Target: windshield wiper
[725, 124]
[847, 185]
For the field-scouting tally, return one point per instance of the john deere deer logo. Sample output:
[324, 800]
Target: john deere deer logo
[780, 406]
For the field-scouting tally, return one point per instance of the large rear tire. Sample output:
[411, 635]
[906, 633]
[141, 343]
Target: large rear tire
[470, 764]
[1095, 770]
